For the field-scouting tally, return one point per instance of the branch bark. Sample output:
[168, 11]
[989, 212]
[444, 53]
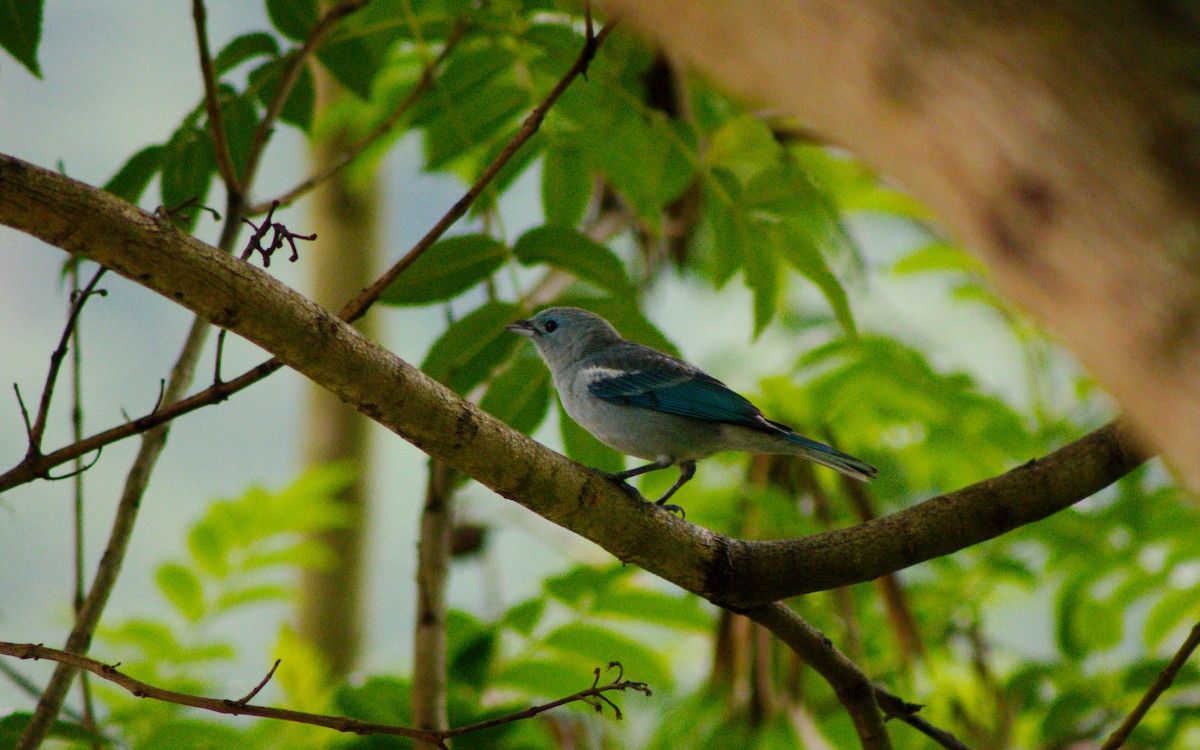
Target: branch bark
[1059, 139]
[249, 302]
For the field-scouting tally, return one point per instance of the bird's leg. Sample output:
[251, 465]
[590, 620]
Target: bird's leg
[661, 463]
[621, 476]
[687, 470]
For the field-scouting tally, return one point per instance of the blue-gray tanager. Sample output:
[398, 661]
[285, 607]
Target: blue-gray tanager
[648, 404]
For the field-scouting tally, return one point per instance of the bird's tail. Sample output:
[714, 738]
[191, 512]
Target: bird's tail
[826, 456]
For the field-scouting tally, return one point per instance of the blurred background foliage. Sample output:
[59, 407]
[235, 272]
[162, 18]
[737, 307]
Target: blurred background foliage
[1043, 638]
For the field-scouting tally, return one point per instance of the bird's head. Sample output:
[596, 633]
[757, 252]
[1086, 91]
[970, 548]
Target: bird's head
[564, 335]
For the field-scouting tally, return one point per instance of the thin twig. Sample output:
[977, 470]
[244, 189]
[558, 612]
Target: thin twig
[1165, 678]
[212, 103]
[80, 468]
[24, 414]
[229, 707]
[85, 687]
[35, 467]
[258, 688]
[56, 359]
[906, 712]
[619, 684]
[353, 151]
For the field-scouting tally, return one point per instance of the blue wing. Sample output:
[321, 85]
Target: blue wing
[653, 380]
[634, 375]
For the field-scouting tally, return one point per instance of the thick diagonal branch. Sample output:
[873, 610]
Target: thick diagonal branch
[92, 224]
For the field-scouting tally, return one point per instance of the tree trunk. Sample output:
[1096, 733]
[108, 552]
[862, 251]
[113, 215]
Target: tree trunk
[346, 216]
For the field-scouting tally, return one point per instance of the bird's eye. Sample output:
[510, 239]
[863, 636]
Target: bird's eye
[550, 326]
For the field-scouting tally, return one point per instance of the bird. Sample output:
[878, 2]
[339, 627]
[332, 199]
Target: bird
[648, 404]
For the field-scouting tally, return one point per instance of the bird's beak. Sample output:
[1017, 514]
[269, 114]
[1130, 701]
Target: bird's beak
[522, 328]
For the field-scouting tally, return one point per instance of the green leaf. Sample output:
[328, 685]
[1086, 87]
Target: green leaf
[14, 724]
[21, 31]
[383, 700]
[1169, 613]
[1084, 626]
[550, 677]
[243, 48]
[604, 645]
[762, 271]
[182, 588]
[209, 548]
[187, 169]
[473, 347]
[803, 255]
[581, 446]
[724, 229]
[744, 146]
[470, 650]
[937, 256]
[300, 104]
[659, 608]
[470, 69]
[582, 582]
[445, 270]
[240, 597]
[1066, 715]
[648, 159]
[240, 120]
[524, 617]
[293, 18]
[566, 185]
[133, 178]
[352, 63]
[576, 253]
[473, 165]
[477, 117]
[159, 644]
[520, 396]
[190, 734]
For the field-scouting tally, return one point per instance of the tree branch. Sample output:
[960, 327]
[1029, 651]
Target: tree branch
[430, 680]
[243, 707]
[853, 688]
[251, 303]
[80, 298]
[1165, 678]
[212, 103]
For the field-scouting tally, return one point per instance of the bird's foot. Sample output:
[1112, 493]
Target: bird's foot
[620, 482]
[672, 509]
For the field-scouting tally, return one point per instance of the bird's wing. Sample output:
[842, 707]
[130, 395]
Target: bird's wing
[634, 375]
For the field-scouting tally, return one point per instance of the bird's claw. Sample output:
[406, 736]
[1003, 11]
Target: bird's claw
[633, 492]
[673, 509]
[620, 482]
